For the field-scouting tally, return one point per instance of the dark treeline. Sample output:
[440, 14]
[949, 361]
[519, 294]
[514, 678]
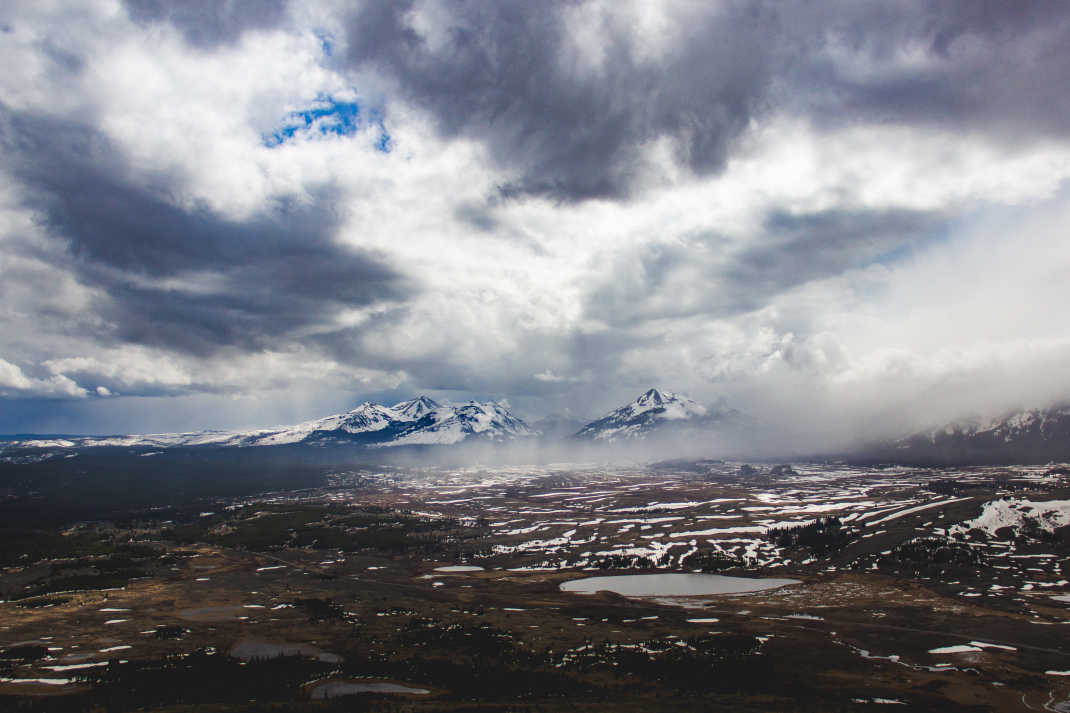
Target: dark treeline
[933, 557]
[114, 484]
[821, 536]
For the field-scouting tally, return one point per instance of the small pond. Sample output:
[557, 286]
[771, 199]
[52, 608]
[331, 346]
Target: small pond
[673, 585]
[332, 689]
[459, 568]
[250, 649]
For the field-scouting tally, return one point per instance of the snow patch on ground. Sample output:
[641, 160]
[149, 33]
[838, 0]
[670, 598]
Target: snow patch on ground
[957, 649]
[1012, 512]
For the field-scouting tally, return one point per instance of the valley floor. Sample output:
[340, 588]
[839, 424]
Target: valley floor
[917, 590]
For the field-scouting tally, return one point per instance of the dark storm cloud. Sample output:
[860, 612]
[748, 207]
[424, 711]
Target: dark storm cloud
[262, 278]
[804, 247]
[209, 23]
[974, 65]
[706, 275]
[508, 75]
[504, 76]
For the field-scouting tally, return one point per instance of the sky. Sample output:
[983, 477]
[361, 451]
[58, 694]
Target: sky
[844, 218]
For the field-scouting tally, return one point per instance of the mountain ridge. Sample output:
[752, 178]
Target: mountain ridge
[1027, 435]
[417, 421]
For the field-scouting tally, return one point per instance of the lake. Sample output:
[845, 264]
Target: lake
[673, 585]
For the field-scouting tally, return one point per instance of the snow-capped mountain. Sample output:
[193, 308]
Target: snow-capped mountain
[652, 411]
[419, 421]
[452, 424]
[1026, 436]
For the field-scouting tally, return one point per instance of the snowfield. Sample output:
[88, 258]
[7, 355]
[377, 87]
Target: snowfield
[1013, 512]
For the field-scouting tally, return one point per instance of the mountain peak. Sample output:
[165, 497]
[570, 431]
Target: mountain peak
[652, 396]
[666, 405]
[451, 424]
[650, 411]
[414, 409]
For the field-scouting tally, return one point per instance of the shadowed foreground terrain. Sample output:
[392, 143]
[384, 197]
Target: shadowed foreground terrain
[916, 590]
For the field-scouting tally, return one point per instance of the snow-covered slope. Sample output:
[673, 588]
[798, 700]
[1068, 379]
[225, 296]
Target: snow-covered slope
[414, 409]
[1020, 516]
[449, 424]
[366, 418]
[1050, 423]
[653, 411]
[417, 421]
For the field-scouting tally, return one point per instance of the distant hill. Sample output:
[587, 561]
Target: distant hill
[1026, 436]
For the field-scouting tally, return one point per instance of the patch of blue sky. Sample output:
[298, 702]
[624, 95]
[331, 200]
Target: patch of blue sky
[328, 116]
[383, 142]
[326, 43]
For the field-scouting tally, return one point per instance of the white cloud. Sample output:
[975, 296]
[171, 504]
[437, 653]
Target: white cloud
[14, 383]
[134, 369]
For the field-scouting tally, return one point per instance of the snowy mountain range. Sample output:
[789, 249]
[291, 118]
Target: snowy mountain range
[1024, 436]
[418, 421]
[655, 411]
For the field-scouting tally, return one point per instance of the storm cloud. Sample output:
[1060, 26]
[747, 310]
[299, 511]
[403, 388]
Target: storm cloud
[709, 275]
[180, 276]
[571, 115]
[567, 96]
[209, 23]
[833, 213]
